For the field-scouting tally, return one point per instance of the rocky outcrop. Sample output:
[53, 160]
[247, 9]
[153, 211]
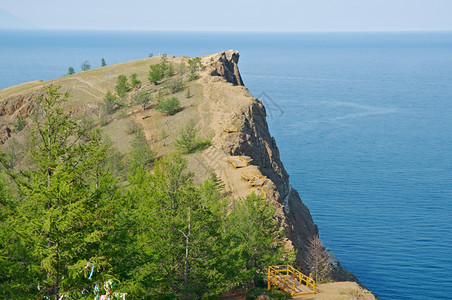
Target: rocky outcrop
[226, 67]
[5, 133]
[12, 107]
[20, 103]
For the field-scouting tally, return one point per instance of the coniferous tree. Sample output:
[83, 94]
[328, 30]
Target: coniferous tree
[257, 239]
[15, 278]
[64, 202]
[122, 86]
[170, 106]
[318, 260]
[141, 155]
[112, 102]
[177, 228]
[142, 98]
[156, 73]
[134, 81]
[85, 66]
[194, 65]
[167, 238]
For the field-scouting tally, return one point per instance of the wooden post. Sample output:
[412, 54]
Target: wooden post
[268, 277]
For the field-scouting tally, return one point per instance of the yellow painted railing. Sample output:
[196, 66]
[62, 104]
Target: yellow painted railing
[279, 276]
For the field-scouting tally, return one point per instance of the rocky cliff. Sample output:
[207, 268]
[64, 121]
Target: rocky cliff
[254, 142]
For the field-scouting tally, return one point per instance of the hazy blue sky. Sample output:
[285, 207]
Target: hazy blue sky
[286, 15]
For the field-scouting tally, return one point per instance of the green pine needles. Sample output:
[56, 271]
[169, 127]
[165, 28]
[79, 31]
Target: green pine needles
[62, 206]
[169, 106]
[189, 142]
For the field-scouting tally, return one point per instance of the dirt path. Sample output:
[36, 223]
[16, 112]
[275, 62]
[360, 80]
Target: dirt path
[339, 291]
[217, 111]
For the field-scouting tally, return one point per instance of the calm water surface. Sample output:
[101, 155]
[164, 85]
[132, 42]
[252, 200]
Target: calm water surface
[363, 122]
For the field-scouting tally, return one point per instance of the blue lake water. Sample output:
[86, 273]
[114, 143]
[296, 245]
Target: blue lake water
[363, 122]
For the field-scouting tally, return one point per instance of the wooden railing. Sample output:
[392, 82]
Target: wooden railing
[279, 276]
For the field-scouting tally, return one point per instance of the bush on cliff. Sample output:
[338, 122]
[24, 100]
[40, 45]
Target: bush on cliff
[189, 142]
[170, 106]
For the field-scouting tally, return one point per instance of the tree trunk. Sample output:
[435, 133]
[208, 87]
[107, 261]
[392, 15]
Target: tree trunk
[187, 247]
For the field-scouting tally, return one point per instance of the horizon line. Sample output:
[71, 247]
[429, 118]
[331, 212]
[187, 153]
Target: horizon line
[226, 31]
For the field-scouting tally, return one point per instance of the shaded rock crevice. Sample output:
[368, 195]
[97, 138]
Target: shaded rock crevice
[226, 67]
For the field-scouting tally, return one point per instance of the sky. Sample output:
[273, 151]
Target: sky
[230, 15]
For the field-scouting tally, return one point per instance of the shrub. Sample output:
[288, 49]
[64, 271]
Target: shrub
[112, 102]
[142, 98]
[70, 71]
[159, 71]
[194, 65]
[168, 70]
[85, 65]
[167, 67]
[188, 142]
[155, 73]
[134, 82]
[169, 106]
[176, 85]
[133, 128]
[20, 123]
[122, 86]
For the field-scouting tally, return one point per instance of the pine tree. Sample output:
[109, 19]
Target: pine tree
[134, 82]
[85, 66]
[142, 98]
[194, 65]
[178, 232]
[15, 279]
[122, 86]
[141, 155]
[257, 239]
[318, 260]
[64, 200]
[156, 73]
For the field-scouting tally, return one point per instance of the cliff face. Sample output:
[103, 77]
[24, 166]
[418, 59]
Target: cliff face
[226, 66]
[254, 141]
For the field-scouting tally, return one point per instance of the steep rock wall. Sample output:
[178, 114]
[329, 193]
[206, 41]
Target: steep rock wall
[254, 141]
